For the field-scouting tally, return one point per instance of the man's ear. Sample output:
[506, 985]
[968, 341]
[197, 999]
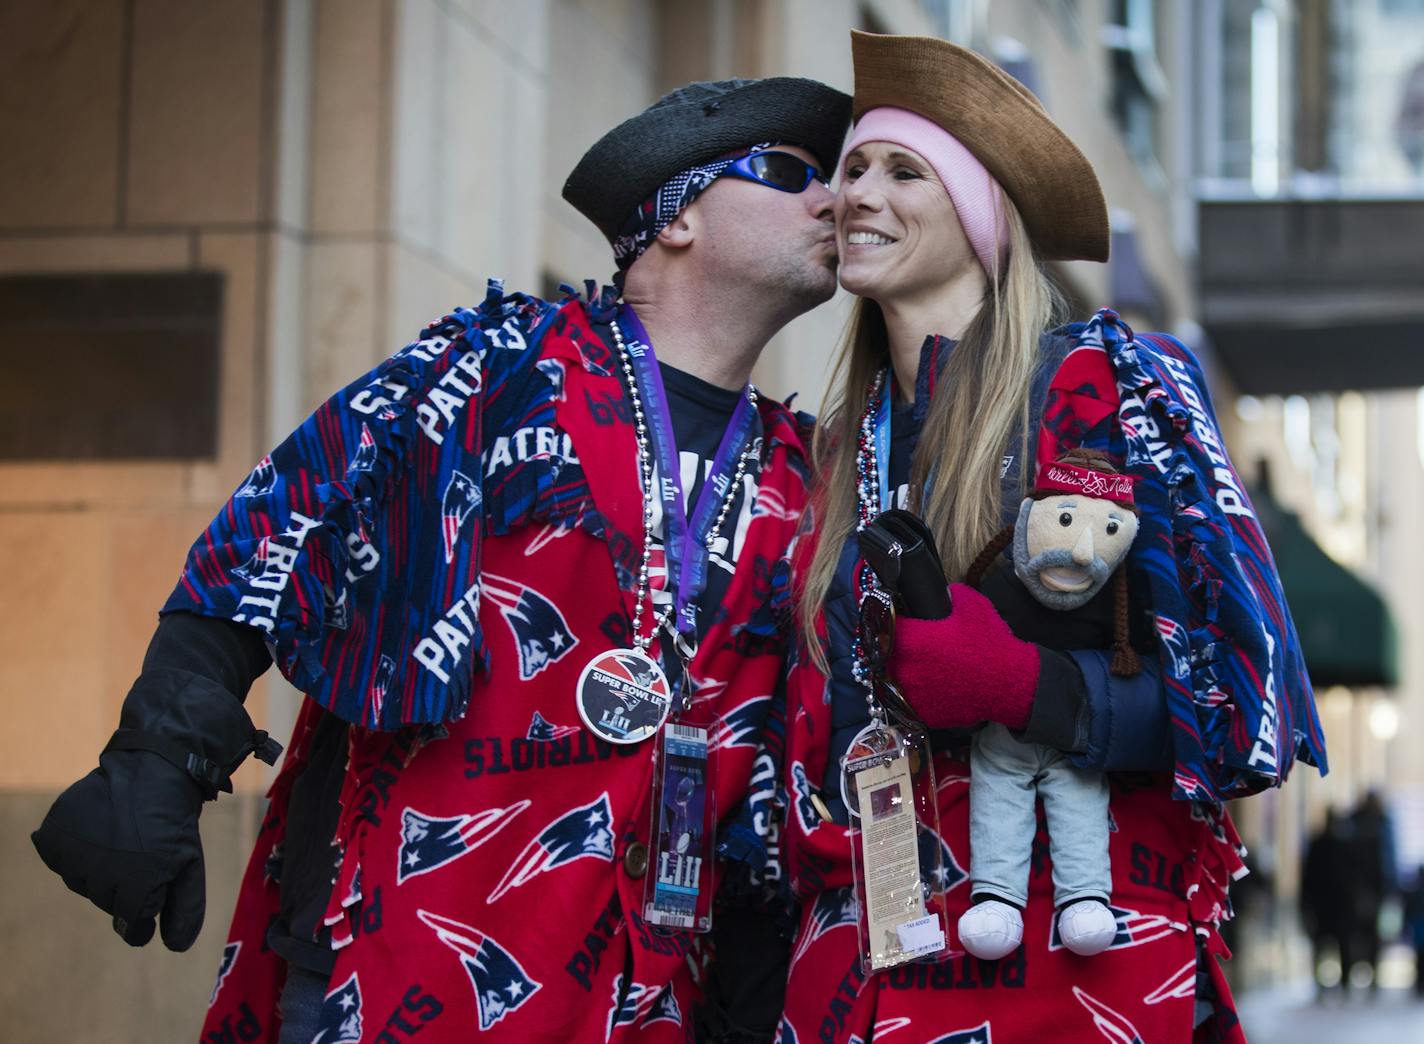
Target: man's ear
[679, 233]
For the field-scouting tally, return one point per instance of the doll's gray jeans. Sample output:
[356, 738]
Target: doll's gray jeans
[1005, 776]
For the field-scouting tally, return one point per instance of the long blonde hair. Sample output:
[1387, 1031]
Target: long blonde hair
[981, 397]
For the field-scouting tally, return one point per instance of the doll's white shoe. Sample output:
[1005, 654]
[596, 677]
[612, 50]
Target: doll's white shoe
[991, 929]
[1087, 927]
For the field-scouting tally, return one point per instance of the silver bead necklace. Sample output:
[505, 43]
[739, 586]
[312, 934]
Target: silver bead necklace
[645, 482]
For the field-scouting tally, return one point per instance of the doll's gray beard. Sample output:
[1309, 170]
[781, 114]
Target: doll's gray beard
[1029, 572]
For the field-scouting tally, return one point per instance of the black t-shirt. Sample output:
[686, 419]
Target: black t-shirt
[700, 412]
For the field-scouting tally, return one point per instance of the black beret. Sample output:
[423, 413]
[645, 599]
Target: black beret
[697, 123]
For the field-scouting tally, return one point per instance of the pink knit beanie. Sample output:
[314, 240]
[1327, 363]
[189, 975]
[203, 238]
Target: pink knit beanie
[972, 189]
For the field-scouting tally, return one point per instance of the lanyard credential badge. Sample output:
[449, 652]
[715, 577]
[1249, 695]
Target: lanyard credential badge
[888, 787]
[677, 892]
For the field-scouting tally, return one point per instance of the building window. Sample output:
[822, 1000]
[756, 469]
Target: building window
[1138, 85]
[111, 366]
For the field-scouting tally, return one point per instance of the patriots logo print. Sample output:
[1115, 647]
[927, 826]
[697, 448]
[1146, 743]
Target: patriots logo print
[499, 981]
[1174, 642]
[771, 503]
[806, 813]
[260, 482]
[540, 730]
[1112, 1025]
[340, 1021]
[541, 634]
[980, 1034]
[740, 727]
[785, 1032]
[365, 458]
[664, 1009]
[430, 842]
[636, 1002]
[585, 832]
[1133, 929]
[385, 670]
[553, 369]
[229, 958]
[461, 498]
[836, 908]
[949, 874]
[885, 1026]
[335, 610]
[256, 565]
[1180, 985]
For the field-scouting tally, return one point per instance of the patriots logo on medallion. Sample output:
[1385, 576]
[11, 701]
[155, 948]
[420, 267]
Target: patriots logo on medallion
[1112, 1025]
[950, 874]
[461, 498]
[836, 908]
[499, 981]
[979, 1034]
[665, 1009]
[541, 634]
[340, 1021]
[429, 842]
[585, 832]
[1133, 929]
[741, 727]
[365, 458]
[540, 730]
[229, 958]
[260, 482]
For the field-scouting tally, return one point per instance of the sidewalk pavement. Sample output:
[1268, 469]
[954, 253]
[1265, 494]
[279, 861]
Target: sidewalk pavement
[1291, 1015]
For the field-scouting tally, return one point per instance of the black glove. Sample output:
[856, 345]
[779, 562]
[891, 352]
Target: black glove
[126, 835]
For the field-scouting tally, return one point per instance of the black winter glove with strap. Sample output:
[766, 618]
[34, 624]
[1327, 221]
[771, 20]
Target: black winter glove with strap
[126, 835]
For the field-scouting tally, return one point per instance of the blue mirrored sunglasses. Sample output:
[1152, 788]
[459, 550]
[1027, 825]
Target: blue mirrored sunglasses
[779, 170]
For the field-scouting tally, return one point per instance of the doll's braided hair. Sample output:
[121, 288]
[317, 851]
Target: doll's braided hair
[1125, 661]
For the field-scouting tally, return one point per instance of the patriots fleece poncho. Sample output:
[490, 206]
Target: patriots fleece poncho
[435, 555]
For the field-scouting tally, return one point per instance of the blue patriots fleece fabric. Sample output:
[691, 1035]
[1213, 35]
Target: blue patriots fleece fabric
[332, 546]
[1240, 701]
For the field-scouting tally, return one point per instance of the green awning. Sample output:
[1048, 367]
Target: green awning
[1345, 627]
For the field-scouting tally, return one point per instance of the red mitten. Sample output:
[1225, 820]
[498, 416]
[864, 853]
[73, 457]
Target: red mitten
[966, 668]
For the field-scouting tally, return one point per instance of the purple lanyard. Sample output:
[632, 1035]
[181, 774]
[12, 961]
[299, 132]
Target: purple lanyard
[684, 538]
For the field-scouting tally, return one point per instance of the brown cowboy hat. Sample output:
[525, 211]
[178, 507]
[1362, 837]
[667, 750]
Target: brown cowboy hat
[1000, 121]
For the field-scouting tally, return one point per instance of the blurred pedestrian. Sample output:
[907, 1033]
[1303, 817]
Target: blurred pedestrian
[1372, 868]
[1413, 896]
[1326, 903]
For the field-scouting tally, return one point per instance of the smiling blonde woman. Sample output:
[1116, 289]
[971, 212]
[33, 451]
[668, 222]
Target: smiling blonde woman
[953, 384]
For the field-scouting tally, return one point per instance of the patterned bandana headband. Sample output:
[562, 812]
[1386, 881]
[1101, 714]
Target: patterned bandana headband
[678, 192]
[1088, 482]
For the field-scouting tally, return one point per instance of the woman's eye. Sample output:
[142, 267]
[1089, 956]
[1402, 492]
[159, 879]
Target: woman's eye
[852, 173]
[906, 174]
[1112, 528]
[1065, 520]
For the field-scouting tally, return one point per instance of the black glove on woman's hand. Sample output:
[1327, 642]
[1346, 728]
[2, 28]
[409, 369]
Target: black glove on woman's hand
[126, 835]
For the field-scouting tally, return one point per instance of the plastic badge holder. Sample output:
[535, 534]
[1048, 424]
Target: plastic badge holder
[888, 785]
[677, 890]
